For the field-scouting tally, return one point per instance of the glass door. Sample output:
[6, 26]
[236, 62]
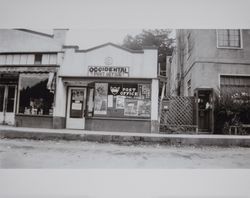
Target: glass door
[7, 104]
[76, 108]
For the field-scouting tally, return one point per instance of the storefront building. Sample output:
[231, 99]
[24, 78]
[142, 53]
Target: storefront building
[108, 88]
[29, 62]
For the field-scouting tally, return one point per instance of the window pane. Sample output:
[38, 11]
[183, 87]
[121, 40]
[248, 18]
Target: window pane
[38, 58]
[229, 38]
[35, 97]
[101, 98]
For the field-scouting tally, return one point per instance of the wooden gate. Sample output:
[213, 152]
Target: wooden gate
[178, 114]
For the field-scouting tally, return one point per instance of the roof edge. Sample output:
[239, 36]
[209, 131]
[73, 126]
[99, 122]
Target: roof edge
[76, 47]
[35, 32]
[112, 44]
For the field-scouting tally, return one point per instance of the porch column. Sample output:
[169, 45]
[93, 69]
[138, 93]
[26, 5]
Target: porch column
[59, 115]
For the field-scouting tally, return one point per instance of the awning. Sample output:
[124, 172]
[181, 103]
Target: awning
[50, 80]
[22, 69]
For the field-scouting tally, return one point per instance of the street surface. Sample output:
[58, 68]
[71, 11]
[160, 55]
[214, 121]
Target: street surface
[21, 153]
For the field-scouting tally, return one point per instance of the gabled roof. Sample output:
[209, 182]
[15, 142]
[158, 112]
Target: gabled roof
[35, 32]
[111, 44]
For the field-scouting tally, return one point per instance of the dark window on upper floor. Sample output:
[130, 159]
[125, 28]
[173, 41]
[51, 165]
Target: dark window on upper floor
[229, 38]
[38, 59]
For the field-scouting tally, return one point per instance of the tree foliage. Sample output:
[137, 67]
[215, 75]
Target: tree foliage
[159, 38]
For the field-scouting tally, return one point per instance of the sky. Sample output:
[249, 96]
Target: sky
[88, 38]
[94, 22]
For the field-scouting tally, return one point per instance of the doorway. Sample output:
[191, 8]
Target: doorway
[7, 104]
[76, 108]
[205, 109]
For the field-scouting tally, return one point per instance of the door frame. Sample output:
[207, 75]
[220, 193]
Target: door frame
[5, 102]
[211, 98]
[68, 105]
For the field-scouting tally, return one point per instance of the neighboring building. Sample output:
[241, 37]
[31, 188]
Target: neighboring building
[208, 62]
[44, 83]
[29, 62]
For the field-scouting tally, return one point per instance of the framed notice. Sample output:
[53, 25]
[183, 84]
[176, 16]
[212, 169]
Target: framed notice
[101, 100]
[131, 107]
[144, 108]
[76, 106]
[120, 102]
[146, 90]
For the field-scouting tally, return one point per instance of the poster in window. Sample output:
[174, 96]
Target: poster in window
[145, 90]
[120, 100]
[114, 89]
[76, 106]
[129, 90]
[101, 100]
[144, 108]
[131, 107]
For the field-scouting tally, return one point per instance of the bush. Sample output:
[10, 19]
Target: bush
[231, 110]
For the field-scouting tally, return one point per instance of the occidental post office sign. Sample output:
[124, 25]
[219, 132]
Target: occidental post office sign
[106, 71]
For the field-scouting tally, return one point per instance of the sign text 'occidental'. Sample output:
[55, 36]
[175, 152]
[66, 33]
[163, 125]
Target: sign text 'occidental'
[105, 71]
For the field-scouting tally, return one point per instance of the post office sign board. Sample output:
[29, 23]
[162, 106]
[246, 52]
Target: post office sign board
[106, 71]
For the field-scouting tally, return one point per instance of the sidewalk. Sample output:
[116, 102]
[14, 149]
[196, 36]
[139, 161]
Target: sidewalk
[124, 137]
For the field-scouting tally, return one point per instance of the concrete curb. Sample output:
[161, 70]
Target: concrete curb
[197, 140]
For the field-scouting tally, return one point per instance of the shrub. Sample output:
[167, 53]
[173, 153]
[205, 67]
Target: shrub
[231, 109]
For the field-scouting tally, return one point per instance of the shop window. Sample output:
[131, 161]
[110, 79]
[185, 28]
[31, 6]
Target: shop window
[230, 38]
[35, 97]
[122, 99]
[38, 59]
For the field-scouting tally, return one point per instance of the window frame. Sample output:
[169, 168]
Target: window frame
[229, 47]
[18, 94]
[107, 116]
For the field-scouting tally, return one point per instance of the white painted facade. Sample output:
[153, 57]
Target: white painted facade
[141, 65]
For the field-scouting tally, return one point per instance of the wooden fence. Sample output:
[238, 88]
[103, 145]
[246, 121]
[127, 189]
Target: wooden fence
[177, 114]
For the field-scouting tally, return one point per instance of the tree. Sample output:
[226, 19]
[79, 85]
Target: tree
[159, 38]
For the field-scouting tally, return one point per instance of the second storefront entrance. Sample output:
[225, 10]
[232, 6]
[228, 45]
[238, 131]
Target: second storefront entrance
[76, 108]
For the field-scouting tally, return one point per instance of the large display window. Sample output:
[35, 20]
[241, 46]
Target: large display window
[36, 97]
[122, 100]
